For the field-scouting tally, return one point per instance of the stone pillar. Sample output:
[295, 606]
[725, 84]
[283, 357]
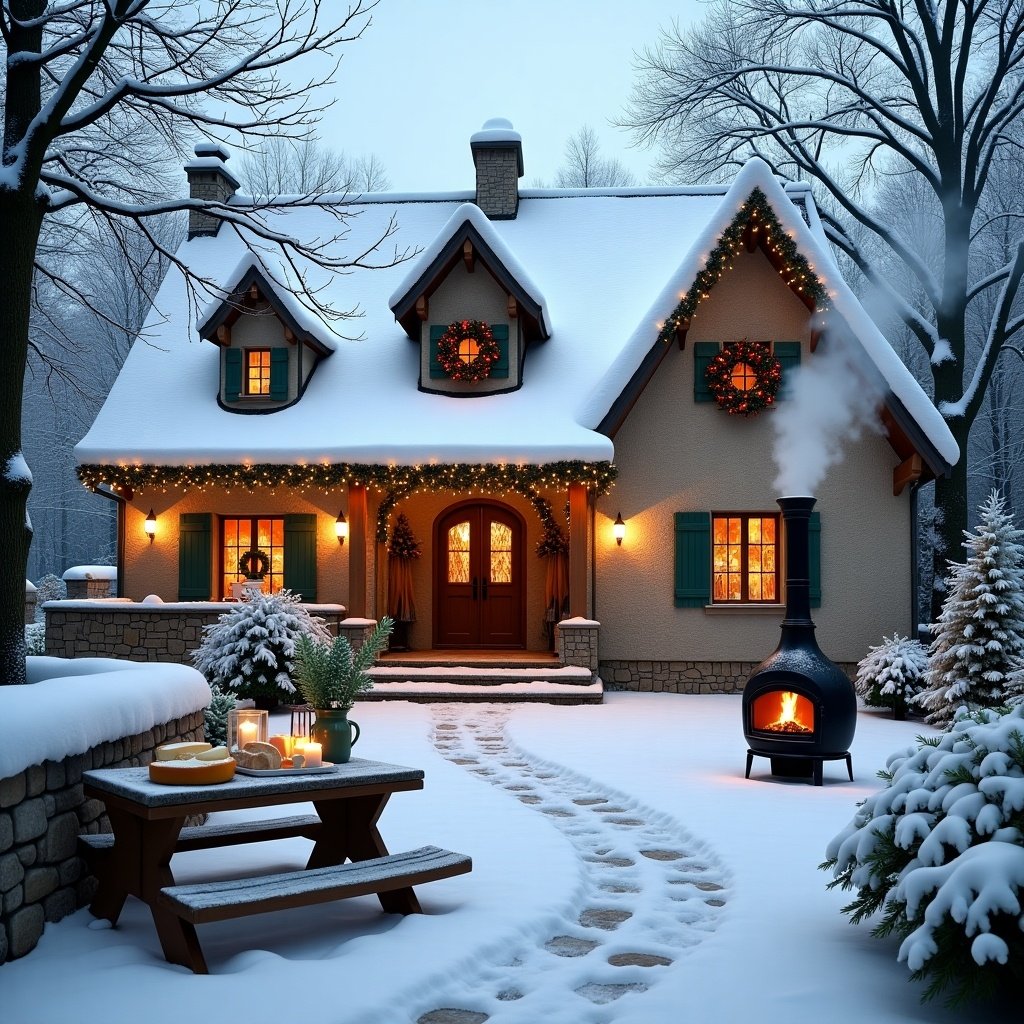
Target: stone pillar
[576, 640]
[30, 602]
[357, 630]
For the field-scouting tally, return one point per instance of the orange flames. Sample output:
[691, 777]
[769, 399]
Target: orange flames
[783, 711]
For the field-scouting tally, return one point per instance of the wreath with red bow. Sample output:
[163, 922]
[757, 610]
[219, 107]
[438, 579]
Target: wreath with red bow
[744, 378]
[452, 355]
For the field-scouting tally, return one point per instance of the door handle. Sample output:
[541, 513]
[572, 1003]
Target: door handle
[485, 589]
[474, 588]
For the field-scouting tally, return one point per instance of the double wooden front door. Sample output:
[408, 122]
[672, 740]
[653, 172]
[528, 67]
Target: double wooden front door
[478, 586]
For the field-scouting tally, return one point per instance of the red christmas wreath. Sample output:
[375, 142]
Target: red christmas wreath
[744, 378]
[467, 350]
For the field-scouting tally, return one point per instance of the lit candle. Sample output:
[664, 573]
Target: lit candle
[246, 732]
[313, 754]
[297, 743]
[283, 745]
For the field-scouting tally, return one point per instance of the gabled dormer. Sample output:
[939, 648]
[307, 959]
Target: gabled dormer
[268, 349]
[468, 275]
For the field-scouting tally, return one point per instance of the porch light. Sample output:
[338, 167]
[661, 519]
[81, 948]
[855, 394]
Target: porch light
[619, 529]
[341, 528]
[150, 525]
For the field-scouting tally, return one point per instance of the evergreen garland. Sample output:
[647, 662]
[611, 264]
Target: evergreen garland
[757, 212]
[403, 480]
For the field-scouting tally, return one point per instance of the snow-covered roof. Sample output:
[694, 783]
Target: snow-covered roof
[606, 266]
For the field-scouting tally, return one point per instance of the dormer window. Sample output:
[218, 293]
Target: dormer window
[257, 372]
[468, 350]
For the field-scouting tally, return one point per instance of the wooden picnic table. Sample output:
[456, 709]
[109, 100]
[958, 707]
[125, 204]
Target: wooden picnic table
[147, 822]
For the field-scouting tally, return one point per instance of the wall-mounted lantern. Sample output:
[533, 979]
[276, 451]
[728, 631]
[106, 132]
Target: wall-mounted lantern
[619, 529]
[150, 525]
[341, 528]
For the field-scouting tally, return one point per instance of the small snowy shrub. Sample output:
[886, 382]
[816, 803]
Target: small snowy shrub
[215, 715]
[49, 588]
[891, 673]
[939, 852]
[251, 649]
[35, 638]
[979, 639]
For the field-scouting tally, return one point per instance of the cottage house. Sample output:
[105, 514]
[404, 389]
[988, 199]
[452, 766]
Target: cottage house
[530, 387]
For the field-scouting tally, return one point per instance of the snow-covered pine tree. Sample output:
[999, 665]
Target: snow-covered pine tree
[215, 715]
[251, 649]
[891, 673]
[979, 638]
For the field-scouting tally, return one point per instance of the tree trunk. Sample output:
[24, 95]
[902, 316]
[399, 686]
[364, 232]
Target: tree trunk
[951, 500]
[22, 218]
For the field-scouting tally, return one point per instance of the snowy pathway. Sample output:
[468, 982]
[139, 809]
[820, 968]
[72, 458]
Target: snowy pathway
[649, 891]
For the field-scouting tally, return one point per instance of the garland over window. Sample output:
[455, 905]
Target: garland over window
[744, 378]
[467, 350]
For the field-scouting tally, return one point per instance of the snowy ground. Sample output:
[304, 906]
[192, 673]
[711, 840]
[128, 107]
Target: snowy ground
[623, 871]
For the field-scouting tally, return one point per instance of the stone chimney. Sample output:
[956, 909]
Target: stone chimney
[498, 155]
[208, 179]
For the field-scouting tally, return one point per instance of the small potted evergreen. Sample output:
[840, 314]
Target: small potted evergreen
[330, 676]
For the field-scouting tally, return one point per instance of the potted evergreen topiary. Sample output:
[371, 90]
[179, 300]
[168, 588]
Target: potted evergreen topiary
[330, 676]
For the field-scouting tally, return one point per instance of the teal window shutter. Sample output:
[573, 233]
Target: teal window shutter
[788, 355]
[279, 374]
[814, 551]
[232, 374]
[195, 555]
[693, 559]
[499, 368]
[300, 556]
[436, 333]
[703, 353]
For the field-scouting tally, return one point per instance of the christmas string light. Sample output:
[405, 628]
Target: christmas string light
[764, 225]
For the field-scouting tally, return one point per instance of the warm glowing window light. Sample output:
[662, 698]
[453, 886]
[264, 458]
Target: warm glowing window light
[469, 349]
[257, 371]
[744, 558]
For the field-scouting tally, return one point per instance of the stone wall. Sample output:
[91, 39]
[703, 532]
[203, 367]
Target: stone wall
[684, 676]
[90, 589]
[42, 812]
[140, 632]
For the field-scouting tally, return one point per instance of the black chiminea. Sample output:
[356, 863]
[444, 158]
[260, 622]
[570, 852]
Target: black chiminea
[799, 709]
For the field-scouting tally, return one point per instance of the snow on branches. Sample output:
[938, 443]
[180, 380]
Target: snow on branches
[890, 674]
[939, 851]
[977, 656]
[250, 650]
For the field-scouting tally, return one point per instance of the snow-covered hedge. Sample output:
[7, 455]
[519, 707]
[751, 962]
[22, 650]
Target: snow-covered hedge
[250, 650]
[891, 673]
[939, 852]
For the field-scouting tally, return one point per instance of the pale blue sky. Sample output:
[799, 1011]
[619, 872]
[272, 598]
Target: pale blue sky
[428, 73]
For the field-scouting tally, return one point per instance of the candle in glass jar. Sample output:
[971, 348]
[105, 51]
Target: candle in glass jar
[246, 732]
[313, 754]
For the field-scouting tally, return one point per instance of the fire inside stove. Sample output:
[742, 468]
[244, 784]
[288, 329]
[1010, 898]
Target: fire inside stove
[783, 711]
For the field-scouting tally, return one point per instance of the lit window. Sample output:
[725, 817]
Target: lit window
[458, 553]
[744, 558]
[743, 377]
[469, 349]
[247, 536]
[257, 371]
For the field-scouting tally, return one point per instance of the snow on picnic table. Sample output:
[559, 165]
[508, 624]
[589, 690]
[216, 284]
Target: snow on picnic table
[778, 952]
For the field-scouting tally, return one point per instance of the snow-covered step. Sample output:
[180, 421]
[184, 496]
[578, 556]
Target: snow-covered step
[470, 688]
[480, 675]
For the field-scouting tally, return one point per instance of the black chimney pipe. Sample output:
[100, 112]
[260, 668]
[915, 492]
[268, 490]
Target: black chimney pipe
[798, 666]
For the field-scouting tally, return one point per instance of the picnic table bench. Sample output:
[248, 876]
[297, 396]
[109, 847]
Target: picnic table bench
[148, 829]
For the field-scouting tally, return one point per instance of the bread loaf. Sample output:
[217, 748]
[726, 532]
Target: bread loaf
[271, 752]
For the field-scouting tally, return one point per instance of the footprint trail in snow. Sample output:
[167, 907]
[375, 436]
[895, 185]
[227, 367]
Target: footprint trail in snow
[650, 891]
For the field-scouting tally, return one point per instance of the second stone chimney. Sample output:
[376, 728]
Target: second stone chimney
[498, 155]
[208, 179]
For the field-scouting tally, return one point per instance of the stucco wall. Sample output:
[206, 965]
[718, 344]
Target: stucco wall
[466, 296]
[153, 568]
[676, 455]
